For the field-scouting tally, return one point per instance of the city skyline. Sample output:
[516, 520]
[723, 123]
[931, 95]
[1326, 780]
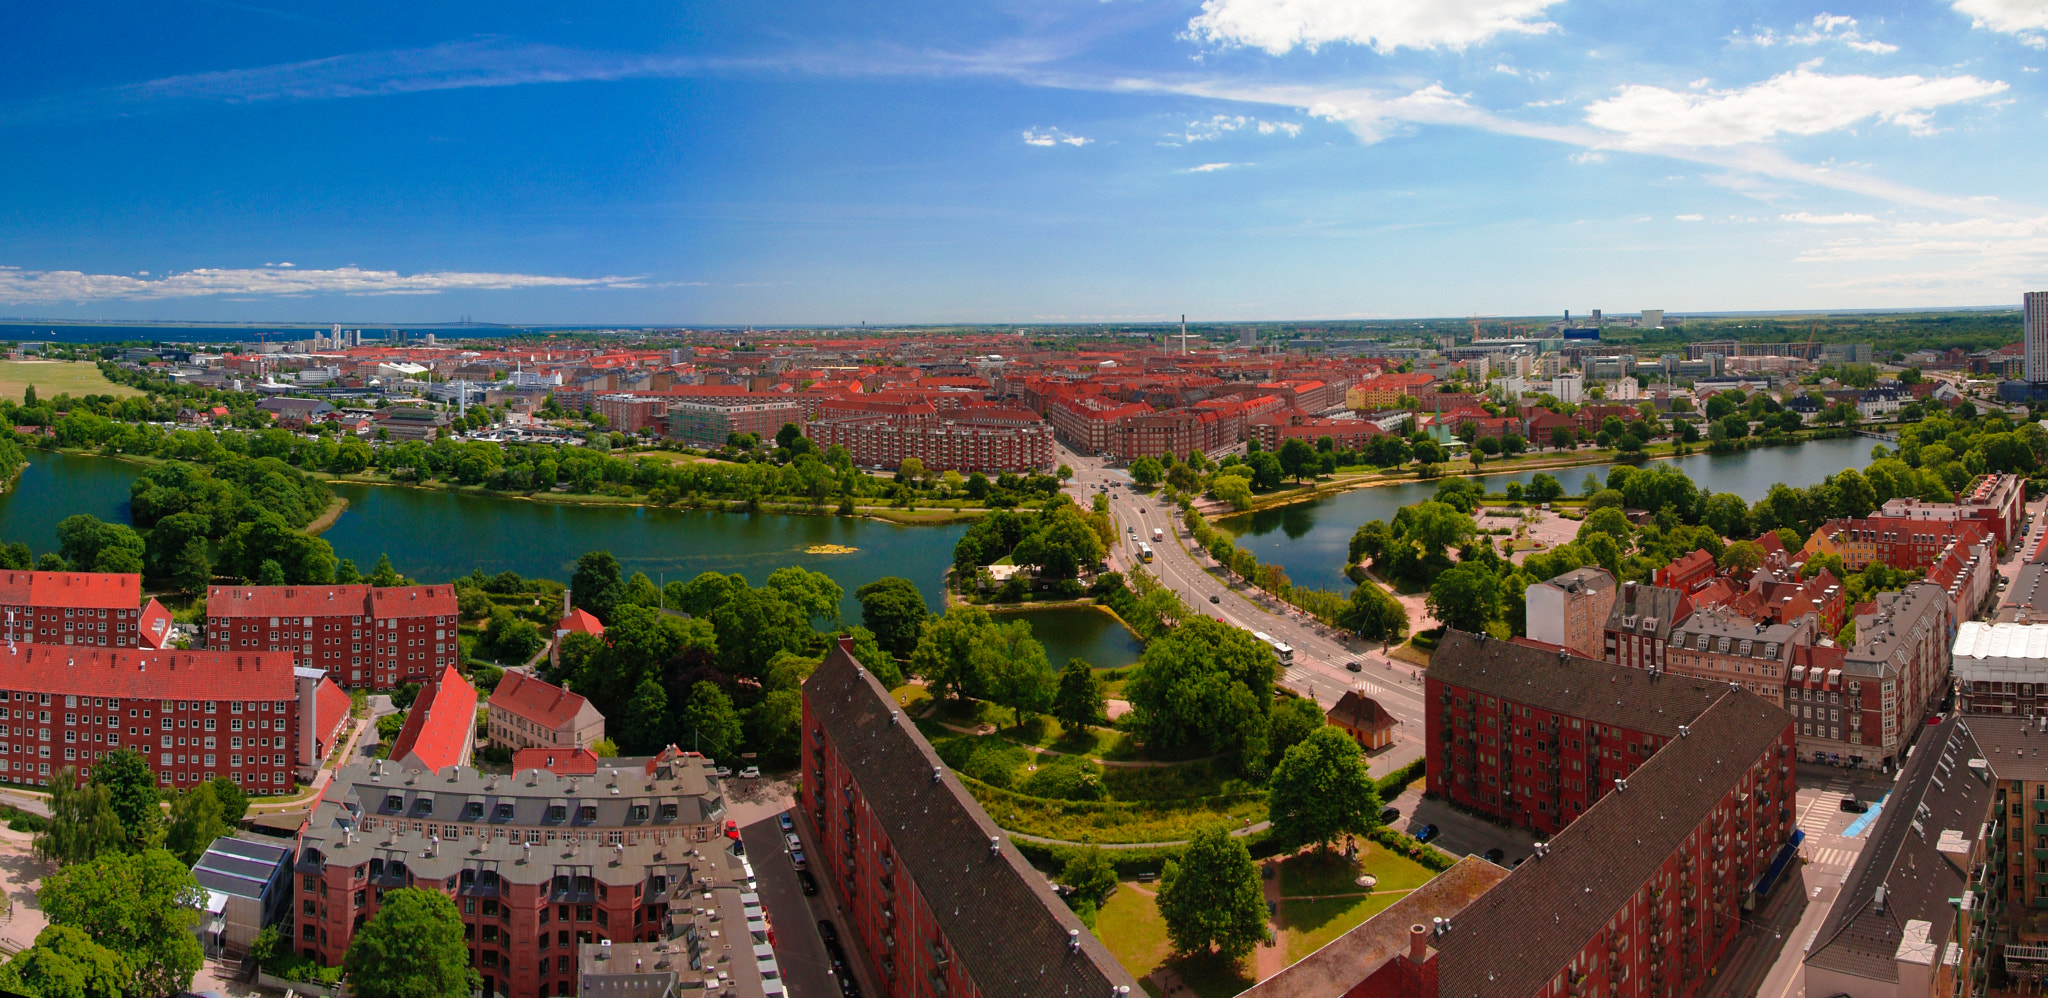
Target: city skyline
[1065, 162]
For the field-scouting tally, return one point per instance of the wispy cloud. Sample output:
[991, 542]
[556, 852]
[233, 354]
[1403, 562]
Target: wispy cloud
[1216, 126]
[1212, 167]
[280, 280]
[1053, 137]
[1278, 26]
[2027, 19]
[1693, 217]
[1843, 218]
[1801, 102]
[1824, 28]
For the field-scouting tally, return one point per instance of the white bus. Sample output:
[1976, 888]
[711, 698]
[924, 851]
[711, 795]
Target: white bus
[1144, 551]
[1284, 652]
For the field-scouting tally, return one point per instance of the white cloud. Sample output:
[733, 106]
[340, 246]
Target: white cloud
[1689, 218]
[1269, 127]
[18, 285]
[1589, 156]
[1801, 102]
[1217, 126]
[2008, 16]
[1053, 137]
[1212, 167]
[1277, 26]
[1844, 218]
[1823, 28]
[1983, 258]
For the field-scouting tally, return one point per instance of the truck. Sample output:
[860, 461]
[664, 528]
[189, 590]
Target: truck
[1158, 535]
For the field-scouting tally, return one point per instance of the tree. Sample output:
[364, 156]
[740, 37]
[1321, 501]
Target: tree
[1374, 614]
[1320, 790]
[1233, 489]
[82, 823]
[1466, 597]
[643, 726]
[67, 963]
[775, 726]
[1079, 702]
[1296, 457]
[142, 906]
[131, 791]
[814, 593]
[383, 576]
[234, 804]
[946, 653]
[191, 571]
[1146, 472]
[753, 626]
[1205, 684]
[1215, 900]
[1741, 558]
[1294, 719]
[195, 823]
[705, 593]
[894, 610]
[597, 585]
[710, 722]
[412, 948]
[1091, 875]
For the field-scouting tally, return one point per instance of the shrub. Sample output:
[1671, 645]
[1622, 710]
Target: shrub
[1391, 786]
[1065, 777]
[991, 760]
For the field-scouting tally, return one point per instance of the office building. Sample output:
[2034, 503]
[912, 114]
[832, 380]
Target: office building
[1571, 611]
[2034, 308]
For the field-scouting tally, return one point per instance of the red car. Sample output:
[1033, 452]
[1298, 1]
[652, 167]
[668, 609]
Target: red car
[732, 829]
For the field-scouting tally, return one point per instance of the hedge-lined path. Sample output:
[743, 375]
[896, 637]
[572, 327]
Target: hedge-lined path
[981, 730]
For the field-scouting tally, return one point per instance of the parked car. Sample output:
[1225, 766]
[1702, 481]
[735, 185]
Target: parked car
[1353, 666]
[794, 842]
[1428, 832]
[1389, 815]
[796, 858]
[750, 773]
[722, 772]
[1855, 806]
[807, 882]
[732, 829]
[828, 932]
[788, 823]
[1497, 856]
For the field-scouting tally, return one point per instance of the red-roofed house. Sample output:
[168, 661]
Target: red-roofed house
[102, 609]
[527, 713]
[154, 630]
[90, 694]
[438, 728]
[561, 762]
[1686, 573]
[380, 638]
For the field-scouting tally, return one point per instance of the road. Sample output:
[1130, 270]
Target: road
[806, 971]
[1320, 653]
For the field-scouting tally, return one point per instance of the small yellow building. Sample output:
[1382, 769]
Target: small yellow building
[1362, 718]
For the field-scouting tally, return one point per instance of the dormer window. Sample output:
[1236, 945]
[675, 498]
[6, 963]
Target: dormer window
[394, 802]
[505, 812]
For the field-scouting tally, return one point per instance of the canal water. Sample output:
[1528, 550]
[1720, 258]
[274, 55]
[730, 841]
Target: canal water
[1310, 540]
[435, 536]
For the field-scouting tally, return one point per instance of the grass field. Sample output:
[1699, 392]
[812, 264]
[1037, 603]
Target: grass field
[1320, 899]
[54, 378]
[1135, 934]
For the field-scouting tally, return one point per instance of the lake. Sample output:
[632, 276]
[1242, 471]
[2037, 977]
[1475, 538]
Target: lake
[435, 536]
[1310, 540]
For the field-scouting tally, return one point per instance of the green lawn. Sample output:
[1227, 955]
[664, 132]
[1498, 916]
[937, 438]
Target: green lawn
[1321, 899]
[1135, 934]
[1310, 925]
[54, 378]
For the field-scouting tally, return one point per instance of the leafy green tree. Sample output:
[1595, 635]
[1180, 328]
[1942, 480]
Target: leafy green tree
[1294, 719]
[1215, 901]
[383, 575]
[1091, 875]
[270, 573]
[1320, 790]
[1607, 520]
[894, 610]
[191, 571]
[509, 637]
[597, 585]
[1465, 597]
[946, 653]
[131, 791]
[754, 625]
[1146, 472]
[1079, 701]
[1233, 489]
[143, 906]
[1205, 684]
[1019, 676]
[195, 823]
[643, 726]
[67, 963]
[1374, 614]
[705, 593]
[84, 541]
[775, 726]
[869, 653]
[1741, 558]
[709, 721]
[82, 822]
[1297, 458]
[640, 591]
[234, 804]
[413, 947]
[813, 593]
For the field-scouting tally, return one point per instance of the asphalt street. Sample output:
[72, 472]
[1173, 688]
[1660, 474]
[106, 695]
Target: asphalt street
[806, 971]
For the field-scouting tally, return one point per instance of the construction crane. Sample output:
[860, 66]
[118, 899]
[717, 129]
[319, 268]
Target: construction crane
[1812, 331]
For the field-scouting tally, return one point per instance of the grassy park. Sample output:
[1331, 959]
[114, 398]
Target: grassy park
[56, 377]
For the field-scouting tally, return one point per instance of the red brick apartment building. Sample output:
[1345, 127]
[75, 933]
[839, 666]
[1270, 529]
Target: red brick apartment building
[69, 706]
[539, 863]
[1534, 736]
[933, 890]
[976, 438]
[1088, 422]
[361, 636]
[102, 609]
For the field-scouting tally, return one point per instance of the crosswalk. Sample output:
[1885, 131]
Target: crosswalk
[1831, 857]
[1820, 811]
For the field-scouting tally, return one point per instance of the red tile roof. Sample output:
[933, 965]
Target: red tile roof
[100, 590]
[580, 621]
[560, 761]
[329, 601]
[330, 706]
[147, 674]
[438, 729]
[548, 706]
[155, 626]
[415, 601]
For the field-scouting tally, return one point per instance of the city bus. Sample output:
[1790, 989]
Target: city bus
[1144, 551]
[1284, 652]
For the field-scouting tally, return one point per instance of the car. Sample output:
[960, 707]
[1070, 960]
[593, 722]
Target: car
[807, 882]
[1855, 806]
[1426, 833]
[750, 773]
[1353, 666]
[1932, 719]
[796, 859]
[794, 842]
[828, 932]
[723, 772]
[732, 829]
[847, 988]
[1497, 856]
[1389, 815]
[788, 823]
[1214, 599]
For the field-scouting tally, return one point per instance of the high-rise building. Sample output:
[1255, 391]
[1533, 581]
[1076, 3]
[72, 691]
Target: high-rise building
[2035, 304]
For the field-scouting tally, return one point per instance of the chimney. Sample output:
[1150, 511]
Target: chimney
[1418, 944]
[604, 949]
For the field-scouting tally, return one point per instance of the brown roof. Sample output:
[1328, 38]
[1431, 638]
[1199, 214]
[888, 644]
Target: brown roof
[1343, 962]
[1005, 925]
[1356, 710]
[1656, 703]
[1501, 947]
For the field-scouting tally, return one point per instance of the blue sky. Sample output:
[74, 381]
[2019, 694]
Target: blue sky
[1024, 161]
